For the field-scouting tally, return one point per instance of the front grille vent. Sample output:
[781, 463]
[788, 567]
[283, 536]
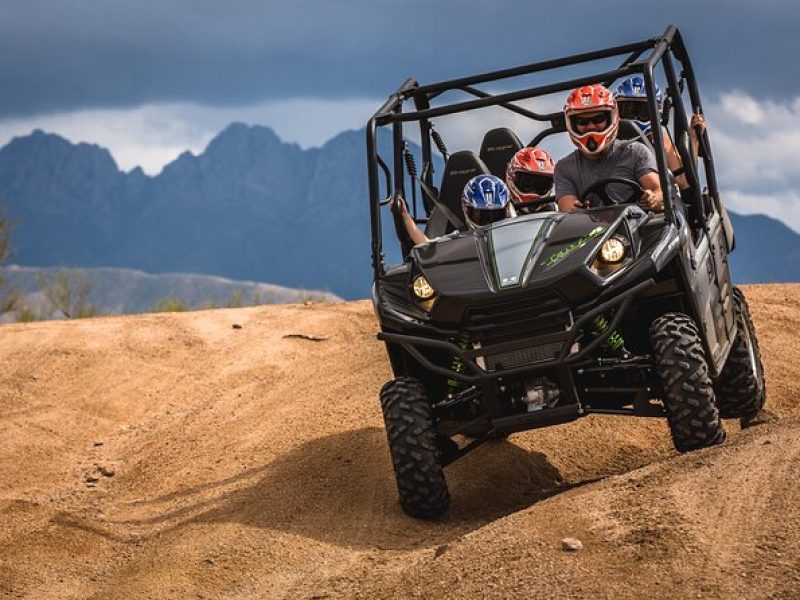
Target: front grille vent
[533, 315]
[526, 356]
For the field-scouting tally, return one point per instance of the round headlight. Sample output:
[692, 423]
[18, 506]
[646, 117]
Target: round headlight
[612, 251]
[423, 289]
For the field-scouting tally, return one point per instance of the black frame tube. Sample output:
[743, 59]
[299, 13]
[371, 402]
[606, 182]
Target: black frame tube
[378, 267]
[694, 95]
[507, 97]
[535, 67]
[512, 107]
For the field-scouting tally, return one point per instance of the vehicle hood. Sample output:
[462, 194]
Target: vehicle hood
[532, 251]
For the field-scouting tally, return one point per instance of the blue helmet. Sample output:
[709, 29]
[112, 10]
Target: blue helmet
[485, 200]
[631, 96]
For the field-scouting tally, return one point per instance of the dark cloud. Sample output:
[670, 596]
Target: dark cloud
[86, 53]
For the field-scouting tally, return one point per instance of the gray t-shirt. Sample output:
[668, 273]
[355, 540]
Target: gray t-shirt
[574, 173]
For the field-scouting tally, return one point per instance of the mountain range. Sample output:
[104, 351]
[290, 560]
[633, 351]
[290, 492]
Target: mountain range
[249, 207]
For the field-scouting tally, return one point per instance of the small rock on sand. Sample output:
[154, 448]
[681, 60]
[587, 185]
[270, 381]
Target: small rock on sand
[571, 545]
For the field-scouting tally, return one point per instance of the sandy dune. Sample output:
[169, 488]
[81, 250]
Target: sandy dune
[175, 456]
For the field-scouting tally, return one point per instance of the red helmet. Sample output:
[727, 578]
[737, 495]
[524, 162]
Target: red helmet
[529, 174]
[592, 99]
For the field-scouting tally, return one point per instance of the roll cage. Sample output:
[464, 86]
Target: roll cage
[639, 58]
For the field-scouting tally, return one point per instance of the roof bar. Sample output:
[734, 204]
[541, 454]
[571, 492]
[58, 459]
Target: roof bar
[535, 67]
[509, 97]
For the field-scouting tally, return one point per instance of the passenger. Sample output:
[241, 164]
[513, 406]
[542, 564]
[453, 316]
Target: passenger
[485, 199]
[529, 177]
[592, 122]
[631, 97]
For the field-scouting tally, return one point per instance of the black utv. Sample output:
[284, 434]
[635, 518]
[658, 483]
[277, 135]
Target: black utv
[547, 317]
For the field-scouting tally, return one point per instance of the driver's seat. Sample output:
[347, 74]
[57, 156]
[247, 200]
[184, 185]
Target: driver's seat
[459, 169]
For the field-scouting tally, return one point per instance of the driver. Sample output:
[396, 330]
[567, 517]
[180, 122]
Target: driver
[485, 199]
[592, 121]
[529, 177]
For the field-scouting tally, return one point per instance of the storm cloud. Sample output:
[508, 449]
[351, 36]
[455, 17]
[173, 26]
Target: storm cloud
[62, 56]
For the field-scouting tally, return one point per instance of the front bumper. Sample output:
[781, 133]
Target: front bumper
[528, 355]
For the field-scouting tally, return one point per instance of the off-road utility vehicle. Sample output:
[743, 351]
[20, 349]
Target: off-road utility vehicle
[547, 317]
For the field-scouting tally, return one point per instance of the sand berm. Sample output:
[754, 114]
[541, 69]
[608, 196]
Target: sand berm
[175, 456]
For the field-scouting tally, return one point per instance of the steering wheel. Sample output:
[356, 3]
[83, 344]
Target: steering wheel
[600, 189]
[531, 206]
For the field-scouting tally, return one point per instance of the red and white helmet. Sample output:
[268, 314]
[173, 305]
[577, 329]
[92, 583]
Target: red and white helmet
[529, 174]
[592, 99]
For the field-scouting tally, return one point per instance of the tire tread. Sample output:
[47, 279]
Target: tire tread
[737, 388]
[421, 484]
[688, 394]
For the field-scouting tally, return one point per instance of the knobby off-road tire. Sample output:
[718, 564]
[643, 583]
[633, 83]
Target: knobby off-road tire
[688, 391]
[740, 389]
[413, 446]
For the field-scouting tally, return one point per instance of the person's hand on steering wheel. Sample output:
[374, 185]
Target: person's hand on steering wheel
[651, 201]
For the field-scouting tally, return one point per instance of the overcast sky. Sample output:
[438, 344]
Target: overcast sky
[149, 79]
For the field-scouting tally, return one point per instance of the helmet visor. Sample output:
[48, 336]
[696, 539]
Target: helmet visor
[484, 216]
[635, 110]
[533, 183]
[601, 121]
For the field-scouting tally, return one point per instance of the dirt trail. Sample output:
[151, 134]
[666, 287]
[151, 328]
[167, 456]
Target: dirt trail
[175, 456]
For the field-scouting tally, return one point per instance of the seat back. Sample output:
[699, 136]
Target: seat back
[459, 169]
[629, 131]
[498, 147]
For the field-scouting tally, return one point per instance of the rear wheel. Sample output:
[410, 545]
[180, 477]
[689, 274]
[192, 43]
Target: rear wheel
[740, 389]
[414, 448]
[688, 391]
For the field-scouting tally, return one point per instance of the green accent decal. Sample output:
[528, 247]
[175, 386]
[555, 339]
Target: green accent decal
[557, 257]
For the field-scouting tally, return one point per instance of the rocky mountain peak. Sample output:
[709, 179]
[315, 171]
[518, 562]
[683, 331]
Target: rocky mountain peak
[238, 139]
[57, 151]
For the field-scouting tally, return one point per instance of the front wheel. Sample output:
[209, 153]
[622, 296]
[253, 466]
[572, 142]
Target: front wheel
[740, 388]
[688, 392]
[414, 448]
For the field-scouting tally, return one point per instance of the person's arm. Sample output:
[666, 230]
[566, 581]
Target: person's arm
[408, 222]
[652, 198]
[646, 172]
[569, 203]
[696, 127]
[674, 161]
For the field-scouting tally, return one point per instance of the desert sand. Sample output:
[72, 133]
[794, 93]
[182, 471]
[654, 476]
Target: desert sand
[178, 456]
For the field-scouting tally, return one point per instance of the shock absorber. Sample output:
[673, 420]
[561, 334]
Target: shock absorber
[457, 365]
[411, 167]
[615, 341]
[437, 139]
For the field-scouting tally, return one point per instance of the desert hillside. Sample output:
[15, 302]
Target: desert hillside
[207, 455]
